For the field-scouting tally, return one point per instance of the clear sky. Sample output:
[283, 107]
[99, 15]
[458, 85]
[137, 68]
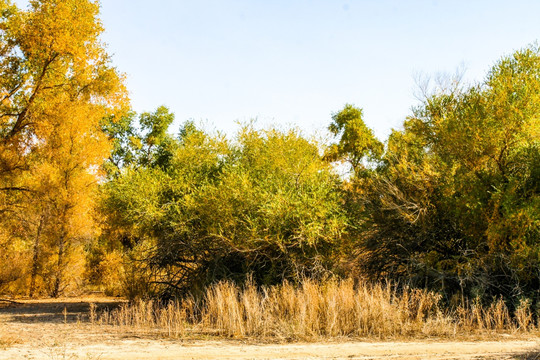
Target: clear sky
[295, 62]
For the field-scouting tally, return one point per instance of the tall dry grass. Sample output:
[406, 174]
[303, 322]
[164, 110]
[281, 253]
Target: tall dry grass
[316, 310]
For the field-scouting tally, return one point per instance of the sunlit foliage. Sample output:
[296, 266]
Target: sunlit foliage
[455, 203]
[264, 204]
[56, 84]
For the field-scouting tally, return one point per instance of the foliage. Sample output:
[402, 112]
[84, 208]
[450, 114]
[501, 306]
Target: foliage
[56, 86]
[266, 204]
[454, 204]
[450, 201]
[357, 144]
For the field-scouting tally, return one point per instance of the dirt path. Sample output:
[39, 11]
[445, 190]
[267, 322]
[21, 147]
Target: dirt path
[59, 330]
[158, 349]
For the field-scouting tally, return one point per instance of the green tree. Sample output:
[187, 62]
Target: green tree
[265, 204]
[357, 145]
[454, 203]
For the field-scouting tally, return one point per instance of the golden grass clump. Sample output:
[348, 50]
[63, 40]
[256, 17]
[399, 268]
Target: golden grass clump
[315, 310]
[146, 316]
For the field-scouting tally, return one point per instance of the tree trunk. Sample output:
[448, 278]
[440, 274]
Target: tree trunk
[35, 258]
[59, 266]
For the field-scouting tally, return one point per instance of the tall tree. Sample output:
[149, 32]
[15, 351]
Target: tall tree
[56, 83]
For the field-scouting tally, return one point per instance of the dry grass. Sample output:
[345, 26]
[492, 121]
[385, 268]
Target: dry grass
[8, 339]
[312, 311]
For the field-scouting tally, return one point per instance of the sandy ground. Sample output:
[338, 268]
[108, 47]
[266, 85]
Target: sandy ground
[44, 330]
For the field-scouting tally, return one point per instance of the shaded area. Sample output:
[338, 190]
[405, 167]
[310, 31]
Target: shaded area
[55, 311]
[529, 355]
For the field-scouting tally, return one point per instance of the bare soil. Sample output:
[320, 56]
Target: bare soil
[59, 329]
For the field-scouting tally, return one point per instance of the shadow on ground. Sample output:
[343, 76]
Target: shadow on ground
[530, 355]
[57, 311]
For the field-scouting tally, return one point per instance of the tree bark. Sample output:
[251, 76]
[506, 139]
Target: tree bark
[35, 257]
[60, 263]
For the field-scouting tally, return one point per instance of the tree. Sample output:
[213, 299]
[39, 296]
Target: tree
[454, 203]
[56, 85]
[49, 53]
[148, 146]
[265, 205]
[69, 177]
[357, 144]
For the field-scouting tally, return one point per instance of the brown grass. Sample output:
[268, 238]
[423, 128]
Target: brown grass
[335, 309]
[8, 339]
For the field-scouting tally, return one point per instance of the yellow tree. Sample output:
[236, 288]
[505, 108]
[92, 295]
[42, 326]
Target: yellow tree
[69, 174]
[56, 84]
[47, 52]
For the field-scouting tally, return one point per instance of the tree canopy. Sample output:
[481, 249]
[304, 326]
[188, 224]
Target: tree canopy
[56, 84]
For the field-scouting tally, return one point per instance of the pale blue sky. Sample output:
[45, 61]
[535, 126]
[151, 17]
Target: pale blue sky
[294, 62]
